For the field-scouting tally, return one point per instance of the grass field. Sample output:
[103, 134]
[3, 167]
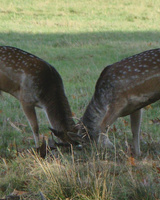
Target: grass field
[79, 38]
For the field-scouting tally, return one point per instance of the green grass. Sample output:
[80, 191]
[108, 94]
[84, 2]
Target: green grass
[79, 38]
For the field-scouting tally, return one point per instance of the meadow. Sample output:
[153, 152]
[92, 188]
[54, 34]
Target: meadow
[79, 38]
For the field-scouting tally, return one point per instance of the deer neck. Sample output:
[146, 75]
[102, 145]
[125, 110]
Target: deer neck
[92, 118]
[59, 112]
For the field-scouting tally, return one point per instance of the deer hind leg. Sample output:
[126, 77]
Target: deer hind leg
[30, 113]
[135, 127]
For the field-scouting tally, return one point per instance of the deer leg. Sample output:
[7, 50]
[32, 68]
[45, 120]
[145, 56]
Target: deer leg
[135, 127]
[30, 113]
[110, 117]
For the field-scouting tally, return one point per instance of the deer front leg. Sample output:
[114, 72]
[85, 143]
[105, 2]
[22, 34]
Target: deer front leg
[30, 113]
[135, 127]
[110, 117]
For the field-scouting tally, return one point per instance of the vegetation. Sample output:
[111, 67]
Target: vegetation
[79, 38]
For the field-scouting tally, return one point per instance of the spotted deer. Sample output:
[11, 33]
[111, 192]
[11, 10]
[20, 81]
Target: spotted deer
[123, 88]
[35, 83]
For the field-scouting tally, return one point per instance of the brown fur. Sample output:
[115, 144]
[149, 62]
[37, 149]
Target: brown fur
[34, 82]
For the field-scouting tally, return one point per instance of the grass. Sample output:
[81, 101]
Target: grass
[76, 178]
[79, 38]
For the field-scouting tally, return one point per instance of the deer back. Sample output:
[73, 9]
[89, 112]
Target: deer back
[135, 79]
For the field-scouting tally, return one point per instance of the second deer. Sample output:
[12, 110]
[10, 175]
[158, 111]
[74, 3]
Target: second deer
[123, 88]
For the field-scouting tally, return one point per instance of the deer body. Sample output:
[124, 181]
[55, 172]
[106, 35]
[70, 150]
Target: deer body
[123, 89]
[35, 83]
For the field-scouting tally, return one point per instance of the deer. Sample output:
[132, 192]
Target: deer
[122, 89]
[36, 83]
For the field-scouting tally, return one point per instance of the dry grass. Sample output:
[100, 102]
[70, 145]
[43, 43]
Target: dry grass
[76, 176]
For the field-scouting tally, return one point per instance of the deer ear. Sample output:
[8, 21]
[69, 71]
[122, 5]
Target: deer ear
[56, 133]
[66, 137]
[61, 135]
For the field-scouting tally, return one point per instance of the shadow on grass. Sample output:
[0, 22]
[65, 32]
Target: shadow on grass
[41, 44]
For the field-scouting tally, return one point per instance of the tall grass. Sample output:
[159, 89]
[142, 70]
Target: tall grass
[75, 178]
[79, 38]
